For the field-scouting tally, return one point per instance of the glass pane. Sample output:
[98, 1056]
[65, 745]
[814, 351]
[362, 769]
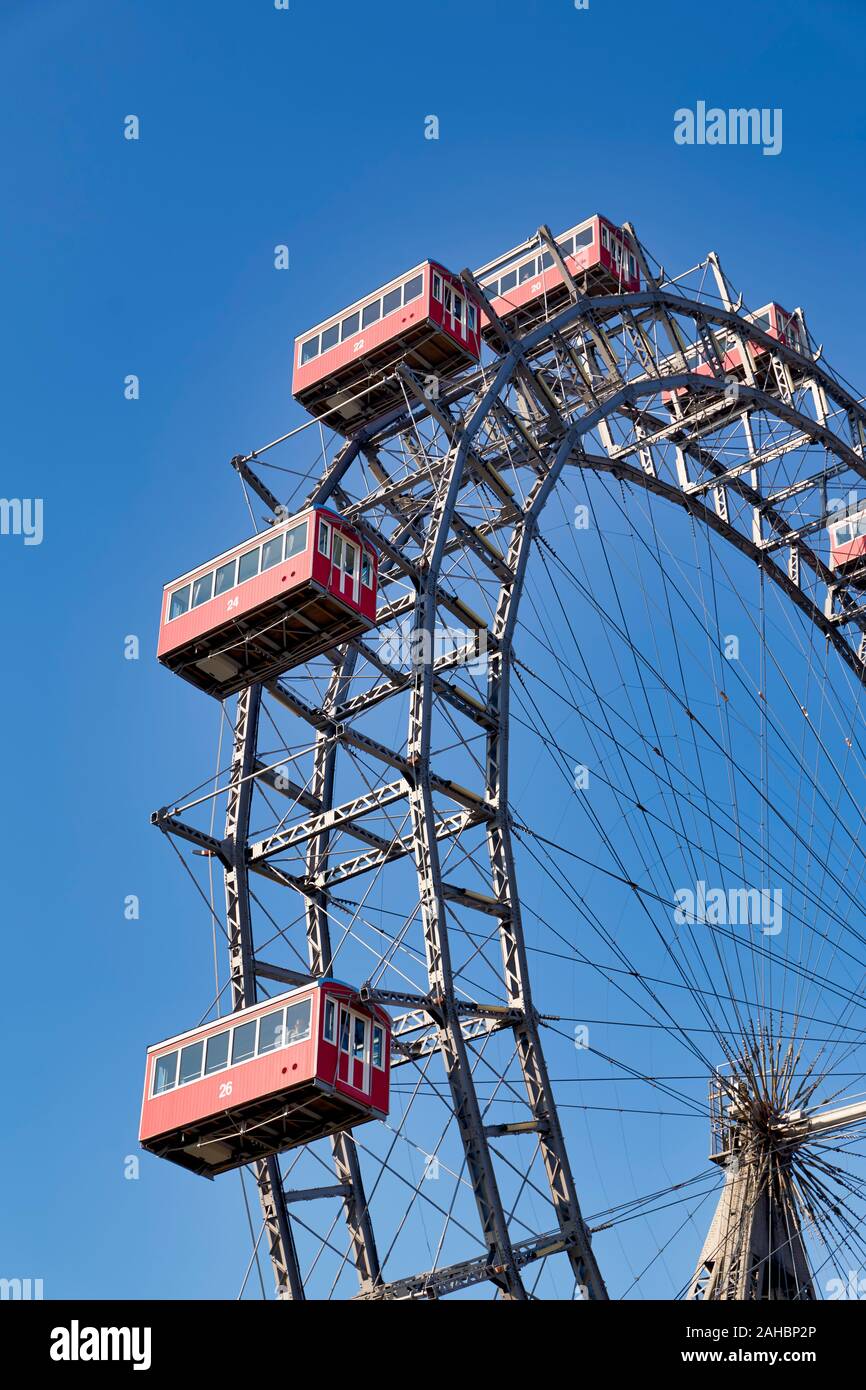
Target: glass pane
[526, 272]
[298, 1021]
[437, 287]
[337, 553]
[392, 301]
[508, 282]
[448, 299]
[491, 289]
[330, 337]
[583, 238]
[202, 589]
[566, 247]
[546, 260]
[329, 1030]
[344, 1033]
[366, 570]
[413, 288]
[248, 565]
[179, 602]
[309, 349]
[359, 1037]
[378, 1046]
[190, 1061]
[371, 313]
[271, 1033]
[350, 559]
[458, 308]
[217, 1052]
[349, 327]
[296, 540]
[225, 577]
[166, 1072]
[244, 1041]
[272, 553]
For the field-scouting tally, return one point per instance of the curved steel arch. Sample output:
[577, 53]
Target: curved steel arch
[519, 416]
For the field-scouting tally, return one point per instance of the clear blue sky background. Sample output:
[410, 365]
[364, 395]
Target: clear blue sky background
[261, 127]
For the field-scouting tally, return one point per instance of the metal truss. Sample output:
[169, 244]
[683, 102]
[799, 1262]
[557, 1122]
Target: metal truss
[450, 488]
[755, 1246]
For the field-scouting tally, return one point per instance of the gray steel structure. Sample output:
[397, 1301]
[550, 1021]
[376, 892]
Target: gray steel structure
[450, 487]
[755, 1247]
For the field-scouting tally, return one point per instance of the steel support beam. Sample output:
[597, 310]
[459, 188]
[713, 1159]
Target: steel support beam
[242, 968]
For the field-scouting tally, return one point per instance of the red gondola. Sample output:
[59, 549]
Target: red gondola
[847, 533]
[280, 1073]
[525, 285]
[278, 599]
[343, 368]
[775, 321]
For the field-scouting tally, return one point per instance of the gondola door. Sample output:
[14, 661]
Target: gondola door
[351, 569]
[346, 560]
[354, 1063]
[454, 312]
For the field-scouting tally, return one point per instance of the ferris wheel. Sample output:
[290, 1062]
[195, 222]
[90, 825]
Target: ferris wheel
[539, 811]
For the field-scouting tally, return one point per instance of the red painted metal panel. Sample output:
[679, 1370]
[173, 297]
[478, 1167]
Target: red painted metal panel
[362, 343]
[342, 1077]
[469, 340]
[326, 573]
[424, 309]
[626, 283]
[584, 258]
[847, 553]
[227, 1089]
[254, 593]
[272, 1073]
[243, 598]
[782, 326]
[841, 555]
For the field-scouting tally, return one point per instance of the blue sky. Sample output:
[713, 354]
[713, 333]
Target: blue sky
[155, 257]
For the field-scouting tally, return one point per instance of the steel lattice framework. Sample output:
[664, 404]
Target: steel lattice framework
[391, 766]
